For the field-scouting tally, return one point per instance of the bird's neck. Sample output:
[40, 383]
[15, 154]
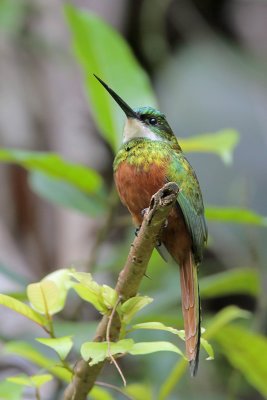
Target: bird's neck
[134, 128]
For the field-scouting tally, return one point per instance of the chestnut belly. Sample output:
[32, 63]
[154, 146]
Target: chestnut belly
[135, 188]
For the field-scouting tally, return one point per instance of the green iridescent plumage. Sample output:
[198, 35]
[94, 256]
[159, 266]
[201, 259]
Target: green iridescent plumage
[143, 152]
[150, 157]
[190, 201]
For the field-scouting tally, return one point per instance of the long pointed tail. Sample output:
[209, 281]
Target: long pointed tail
[191, 310]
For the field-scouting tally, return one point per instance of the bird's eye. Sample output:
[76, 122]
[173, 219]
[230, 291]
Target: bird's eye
[152, 121]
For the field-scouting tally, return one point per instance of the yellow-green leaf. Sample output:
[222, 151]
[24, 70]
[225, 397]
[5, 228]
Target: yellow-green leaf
[235, 215]
[65, 194]
[49, 295]
[96, 44]
[33, 380]
[159, 326]
[208, 347]
[103, 298]
[131, 306]
[92, 295]
[139, 391]
[241, 280]
[97, 352]
[9, 391]
[44, 297]
[25, 350]
[222, 318]
[98, 393]
[109, 296]
[154, 347]
[245, 351]
[22, 309]
[61, 345]
[86, 179]
[222, 143]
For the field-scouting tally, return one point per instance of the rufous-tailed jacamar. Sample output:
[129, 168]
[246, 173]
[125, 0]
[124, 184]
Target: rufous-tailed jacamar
[149, 157]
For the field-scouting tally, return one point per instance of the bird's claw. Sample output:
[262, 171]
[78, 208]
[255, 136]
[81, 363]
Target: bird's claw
[137, 230]
[144, 211]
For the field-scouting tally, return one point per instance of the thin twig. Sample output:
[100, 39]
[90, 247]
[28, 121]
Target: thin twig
[108, 340]
[37, 394]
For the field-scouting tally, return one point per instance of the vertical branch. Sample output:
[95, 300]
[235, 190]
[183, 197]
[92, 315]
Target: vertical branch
[127, 285]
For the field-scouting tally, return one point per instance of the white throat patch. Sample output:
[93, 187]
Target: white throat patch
[134, 128]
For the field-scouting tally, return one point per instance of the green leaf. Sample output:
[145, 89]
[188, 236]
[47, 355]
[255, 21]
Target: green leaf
[33, 380]
[109, 296]
[90, 36]
[28, 352]
[66, 195]
[44, 297]
[62, 345]
[222, 143]
[98, 393]
[174, 376]
[222, 318]
[242, 280]
[139, 391]
[207, 346]
[219, 321]
[62, 278]
[131, 306]
[97, 352]
[9, 391]
[181, 333]
[159, 326]
[91, 295]
[103, 298]
[12, 15]
[246, 351]
[22, 309]
[154, 347]
[49, 296]
[85, 179]
[235, 215]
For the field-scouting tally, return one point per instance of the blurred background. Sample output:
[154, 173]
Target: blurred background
[207, 61]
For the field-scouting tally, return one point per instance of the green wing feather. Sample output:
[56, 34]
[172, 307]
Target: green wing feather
[190, 201]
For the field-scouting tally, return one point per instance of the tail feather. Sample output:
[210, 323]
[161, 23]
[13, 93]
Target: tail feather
[191, 310]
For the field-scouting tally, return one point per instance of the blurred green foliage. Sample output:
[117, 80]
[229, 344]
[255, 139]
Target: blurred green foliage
[83, 190]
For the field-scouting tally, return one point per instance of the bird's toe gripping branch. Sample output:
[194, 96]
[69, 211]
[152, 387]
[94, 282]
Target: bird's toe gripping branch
[163, 197]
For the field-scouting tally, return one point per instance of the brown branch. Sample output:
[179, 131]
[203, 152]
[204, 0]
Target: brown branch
[127, 286]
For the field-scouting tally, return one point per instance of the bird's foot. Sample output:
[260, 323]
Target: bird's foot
[147, 276]
[137, 230]
[164, 226]
[158, 243]
[144, 211]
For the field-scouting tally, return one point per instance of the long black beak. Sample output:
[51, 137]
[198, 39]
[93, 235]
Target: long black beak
[130, 113]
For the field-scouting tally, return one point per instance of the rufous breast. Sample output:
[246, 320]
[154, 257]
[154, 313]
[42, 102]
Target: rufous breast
[136, 186]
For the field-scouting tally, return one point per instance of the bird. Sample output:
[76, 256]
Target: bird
[150, 156]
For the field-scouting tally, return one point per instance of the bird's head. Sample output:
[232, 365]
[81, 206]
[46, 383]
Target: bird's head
[144, 122]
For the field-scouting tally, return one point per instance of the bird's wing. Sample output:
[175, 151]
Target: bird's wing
[190, 201]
